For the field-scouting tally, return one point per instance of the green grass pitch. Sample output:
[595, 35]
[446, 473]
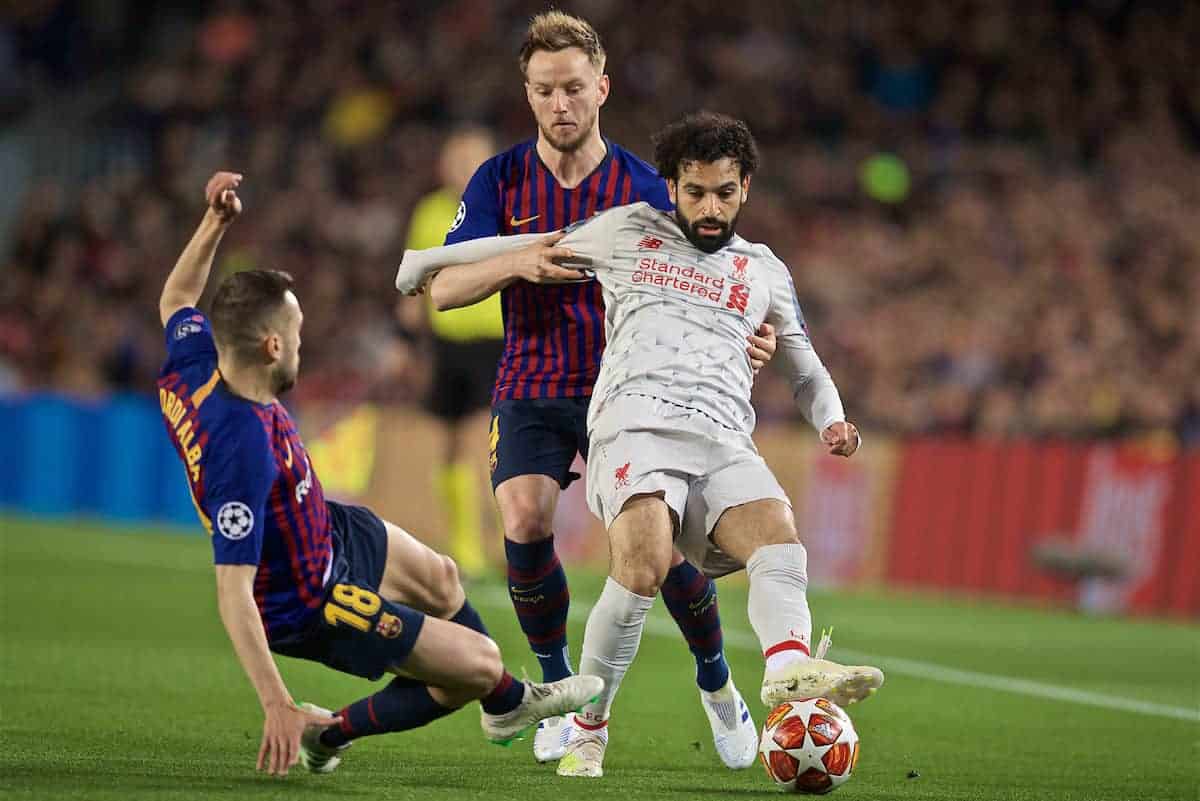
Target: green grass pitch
[118, 683]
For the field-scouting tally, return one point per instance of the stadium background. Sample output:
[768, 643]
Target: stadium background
[990, 214]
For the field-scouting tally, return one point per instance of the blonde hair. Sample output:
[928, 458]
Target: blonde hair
[555, 31]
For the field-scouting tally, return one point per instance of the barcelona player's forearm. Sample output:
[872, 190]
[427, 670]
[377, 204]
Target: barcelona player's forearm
[464, 284]
[239, 613]
[186, 282]
[469, 271]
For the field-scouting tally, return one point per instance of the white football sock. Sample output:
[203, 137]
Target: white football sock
[610, 642]
[778, 603]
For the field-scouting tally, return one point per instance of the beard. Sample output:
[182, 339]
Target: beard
[568, 143]
[283, 378]
[708, 243]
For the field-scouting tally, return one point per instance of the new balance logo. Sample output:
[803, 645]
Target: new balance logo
[649, 243]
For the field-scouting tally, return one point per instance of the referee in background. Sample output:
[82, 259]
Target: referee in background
[467, 345]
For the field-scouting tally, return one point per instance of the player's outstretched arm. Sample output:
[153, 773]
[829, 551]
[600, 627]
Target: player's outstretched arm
[186, 282]
[464, 284]
[283, 722]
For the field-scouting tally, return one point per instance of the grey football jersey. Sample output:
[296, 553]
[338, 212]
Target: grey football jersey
[676, 318]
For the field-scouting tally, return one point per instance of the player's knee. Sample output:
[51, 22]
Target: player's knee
[645, 580]
[641, 572]
[486, 668]
[526, 521]
[778, 525]
[446, 594]
[640, 544]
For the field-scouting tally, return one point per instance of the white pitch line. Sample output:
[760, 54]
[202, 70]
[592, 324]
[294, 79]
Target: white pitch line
[1036, 689]
[659, 626]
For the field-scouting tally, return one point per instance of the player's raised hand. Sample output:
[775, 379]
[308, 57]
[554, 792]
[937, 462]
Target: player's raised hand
[221, 195]
[282, 729]
[841, 438]
[762, 346]
[540, 263]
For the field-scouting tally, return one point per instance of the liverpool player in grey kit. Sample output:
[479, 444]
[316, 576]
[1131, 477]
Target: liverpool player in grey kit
[670, 422]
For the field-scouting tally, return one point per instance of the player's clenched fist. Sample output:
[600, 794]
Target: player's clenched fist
[221, 195]
[841, 438]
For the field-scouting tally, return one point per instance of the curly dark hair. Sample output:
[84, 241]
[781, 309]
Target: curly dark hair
[704, 136]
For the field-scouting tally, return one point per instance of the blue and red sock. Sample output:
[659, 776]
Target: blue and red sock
[403, 704]
[691, 598]
[467, 616]
[537, 585]
[504, 697]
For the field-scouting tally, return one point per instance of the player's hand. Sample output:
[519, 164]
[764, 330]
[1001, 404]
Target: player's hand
[762, 346]
[841, 438]
[284, 724]
[221, 195]
[540, 263]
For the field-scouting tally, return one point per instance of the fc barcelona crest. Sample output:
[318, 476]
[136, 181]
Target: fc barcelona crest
[389, 626]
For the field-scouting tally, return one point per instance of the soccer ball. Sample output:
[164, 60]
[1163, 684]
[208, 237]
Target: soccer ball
[808, 746]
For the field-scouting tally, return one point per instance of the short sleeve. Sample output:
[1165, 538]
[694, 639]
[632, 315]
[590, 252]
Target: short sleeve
[238, 475]
[593, 238]
[189, 338]
[784, 312]
[478, 213]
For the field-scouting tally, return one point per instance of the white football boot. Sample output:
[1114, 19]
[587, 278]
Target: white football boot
[584, 755]
[734, 733]
[314, 754]
[541, 701]
[550, 739]
[820, 678]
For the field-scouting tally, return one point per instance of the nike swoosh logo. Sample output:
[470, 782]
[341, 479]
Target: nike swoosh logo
[513, 222]
[288, 460]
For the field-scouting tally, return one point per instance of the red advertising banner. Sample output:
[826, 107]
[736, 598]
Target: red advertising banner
[1111, 528]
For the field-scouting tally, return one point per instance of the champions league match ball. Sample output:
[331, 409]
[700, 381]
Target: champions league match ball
[808, 746]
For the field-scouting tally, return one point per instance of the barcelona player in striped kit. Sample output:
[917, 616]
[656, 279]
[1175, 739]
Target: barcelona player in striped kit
[554, 337]
[298, 574]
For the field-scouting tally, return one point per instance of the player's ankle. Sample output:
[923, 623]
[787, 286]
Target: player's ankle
[506, 696]
[554, 660]
[712, 672]
[591, 721]
[785, 653]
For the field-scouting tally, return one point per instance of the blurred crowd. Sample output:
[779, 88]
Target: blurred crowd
[989, 208]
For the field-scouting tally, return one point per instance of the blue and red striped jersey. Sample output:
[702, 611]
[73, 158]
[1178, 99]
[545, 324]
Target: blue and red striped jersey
[553, 334]
[250, 478]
